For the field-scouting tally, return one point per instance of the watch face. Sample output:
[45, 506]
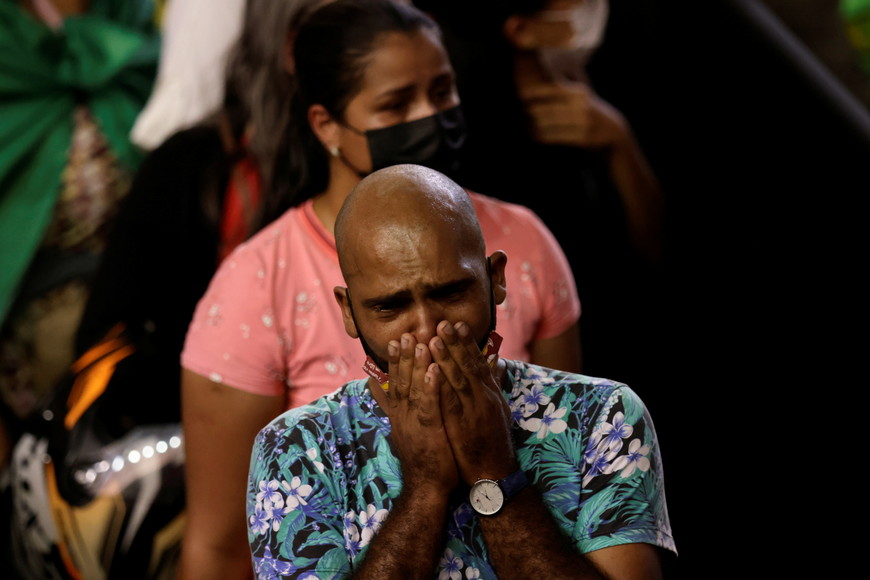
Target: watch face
[486, 497]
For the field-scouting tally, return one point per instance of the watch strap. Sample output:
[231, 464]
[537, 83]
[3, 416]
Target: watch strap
[513, 484]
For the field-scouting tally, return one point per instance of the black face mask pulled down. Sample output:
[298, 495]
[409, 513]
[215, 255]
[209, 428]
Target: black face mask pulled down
[433, 142]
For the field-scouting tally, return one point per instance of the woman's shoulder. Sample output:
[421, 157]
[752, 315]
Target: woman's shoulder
[287, 244]
[491, 208]
[504, 219]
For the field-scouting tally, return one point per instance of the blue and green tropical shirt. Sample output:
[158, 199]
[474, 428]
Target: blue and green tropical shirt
[323, 476]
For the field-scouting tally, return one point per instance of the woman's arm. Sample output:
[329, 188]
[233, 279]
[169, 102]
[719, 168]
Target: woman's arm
[576, 116]
[560, 352]
[219, 424]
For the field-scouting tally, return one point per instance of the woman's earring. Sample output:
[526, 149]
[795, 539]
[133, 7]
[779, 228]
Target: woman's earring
[334, 151]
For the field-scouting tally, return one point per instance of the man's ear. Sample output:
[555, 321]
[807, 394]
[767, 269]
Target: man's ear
[497, 263]
[324, 126]
[521, 32]
[343, 300]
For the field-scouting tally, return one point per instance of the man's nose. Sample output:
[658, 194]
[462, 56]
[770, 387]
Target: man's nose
[425, 321]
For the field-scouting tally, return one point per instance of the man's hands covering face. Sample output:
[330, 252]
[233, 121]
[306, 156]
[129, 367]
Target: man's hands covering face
[449, 418]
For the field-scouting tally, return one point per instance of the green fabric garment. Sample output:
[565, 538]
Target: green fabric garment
[856, 15]
[105, 59]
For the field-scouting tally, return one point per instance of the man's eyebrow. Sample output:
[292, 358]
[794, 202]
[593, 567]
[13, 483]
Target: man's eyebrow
[450, 287]
[429, 289]
[385, 298]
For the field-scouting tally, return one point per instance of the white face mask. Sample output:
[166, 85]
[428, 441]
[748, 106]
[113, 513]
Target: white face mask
[567, 64]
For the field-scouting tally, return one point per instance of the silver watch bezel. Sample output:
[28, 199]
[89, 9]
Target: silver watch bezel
[484, 492]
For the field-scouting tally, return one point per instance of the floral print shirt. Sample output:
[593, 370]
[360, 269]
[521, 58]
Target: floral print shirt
[323, 477]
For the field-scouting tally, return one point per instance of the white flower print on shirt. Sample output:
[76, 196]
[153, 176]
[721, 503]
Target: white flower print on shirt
[450, 566]
[635, 459]
[269, 496]
[368, 521]
[531, 398]
[551, 422]
[371, 521]
[260, 520]
[296, 492]
[312, 454]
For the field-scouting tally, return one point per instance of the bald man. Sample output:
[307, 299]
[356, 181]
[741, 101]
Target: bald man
[449, 461]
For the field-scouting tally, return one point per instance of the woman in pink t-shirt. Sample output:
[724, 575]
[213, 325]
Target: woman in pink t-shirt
[374, 88]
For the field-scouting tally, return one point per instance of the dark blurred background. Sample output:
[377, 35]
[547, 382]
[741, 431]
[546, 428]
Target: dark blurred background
[754, 115]
[755, 119]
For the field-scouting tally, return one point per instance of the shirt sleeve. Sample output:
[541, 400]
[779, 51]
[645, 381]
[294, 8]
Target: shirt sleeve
[592, 449]
[552, 274]
[234, 338]
[296, 520]
[624, 499]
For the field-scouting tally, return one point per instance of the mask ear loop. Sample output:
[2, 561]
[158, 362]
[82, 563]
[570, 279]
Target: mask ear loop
[370, 367]
[335, 151]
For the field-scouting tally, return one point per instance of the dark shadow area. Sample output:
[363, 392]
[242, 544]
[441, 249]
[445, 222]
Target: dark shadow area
[763, 157]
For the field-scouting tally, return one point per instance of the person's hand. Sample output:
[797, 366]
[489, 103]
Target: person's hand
[418, 435]
[476, 416]
[571, 115]
[574, 115]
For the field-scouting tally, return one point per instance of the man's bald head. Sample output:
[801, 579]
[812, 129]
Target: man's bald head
[401, 205]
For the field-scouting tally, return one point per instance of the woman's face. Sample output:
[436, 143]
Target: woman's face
[407, 77]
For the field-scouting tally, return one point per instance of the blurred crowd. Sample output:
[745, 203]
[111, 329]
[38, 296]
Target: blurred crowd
[144, 142]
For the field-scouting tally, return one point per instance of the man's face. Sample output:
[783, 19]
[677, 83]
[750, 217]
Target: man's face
[407, 282]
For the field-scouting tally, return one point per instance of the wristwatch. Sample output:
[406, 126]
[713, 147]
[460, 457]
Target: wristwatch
[487, 496]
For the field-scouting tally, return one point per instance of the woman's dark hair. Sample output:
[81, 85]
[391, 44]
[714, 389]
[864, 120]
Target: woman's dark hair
[258, 89]
[330, 53]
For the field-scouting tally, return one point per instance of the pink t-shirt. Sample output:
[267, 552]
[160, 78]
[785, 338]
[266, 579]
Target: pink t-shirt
[269, 324]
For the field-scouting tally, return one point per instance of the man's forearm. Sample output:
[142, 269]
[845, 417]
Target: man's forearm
[524, 542]
[411, 540]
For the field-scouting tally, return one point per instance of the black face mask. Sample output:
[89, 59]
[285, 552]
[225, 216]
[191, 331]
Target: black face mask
[433, 142]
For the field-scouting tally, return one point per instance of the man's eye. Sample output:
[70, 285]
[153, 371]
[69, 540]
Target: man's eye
[455, 295]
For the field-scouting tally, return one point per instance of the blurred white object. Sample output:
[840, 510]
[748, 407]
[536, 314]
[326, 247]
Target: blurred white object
[197, 38]
[588, 20]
